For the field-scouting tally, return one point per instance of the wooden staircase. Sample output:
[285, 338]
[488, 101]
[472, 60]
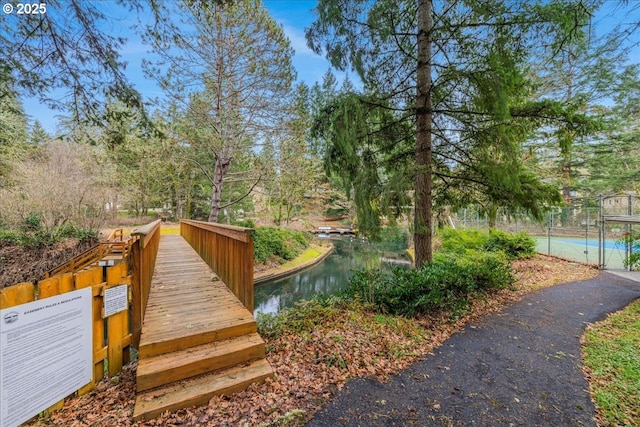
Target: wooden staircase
[197, 339]
[108, 253]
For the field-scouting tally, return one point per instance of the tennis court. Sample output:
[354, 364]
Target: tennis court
[583, 250]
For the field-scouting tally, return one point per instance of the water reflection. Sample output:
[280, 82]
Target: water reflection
[328, 277]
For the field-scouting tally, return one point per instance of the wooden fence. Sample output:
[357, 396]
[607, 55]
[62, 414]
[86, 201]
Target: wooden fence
[228, 250]
[135, 271]
[114, 346]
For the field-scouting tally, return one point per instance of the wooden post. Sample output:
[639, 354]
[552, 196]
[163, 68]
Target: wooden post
[93, 278]
[117, 325]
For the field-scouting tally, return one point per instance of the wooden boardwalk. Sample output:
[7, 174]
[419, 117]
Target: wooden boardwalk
[197, 340]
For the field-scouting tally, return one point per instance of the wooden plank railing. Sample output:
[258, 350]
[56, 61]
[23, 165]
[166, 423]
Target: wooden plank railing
[143, 260]
[115, 244]
[116, 235]
[228, 250]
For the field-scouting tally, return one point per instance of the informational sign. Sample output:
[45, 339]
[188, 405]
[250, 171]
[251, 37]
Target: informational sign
[45, 354]
[115, 300]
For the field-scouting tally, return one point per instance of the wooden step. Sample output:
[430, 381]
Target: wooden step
[179, 365]
[110, 260]
[199, 390]
[185, 334]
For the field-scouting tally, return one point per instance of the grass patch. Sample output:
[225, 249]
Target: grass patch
[611, 352]
[309, 254]
[170, 230]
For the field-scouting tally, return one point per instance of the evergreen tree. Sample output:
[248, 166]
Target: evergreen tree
[291, 167]
[455, 71]
[37, 135]
[13, 130]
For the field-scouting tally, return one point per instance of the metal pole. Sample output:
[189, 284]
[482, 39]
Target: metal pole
[549, 225]
[600, 234]
[586, 239]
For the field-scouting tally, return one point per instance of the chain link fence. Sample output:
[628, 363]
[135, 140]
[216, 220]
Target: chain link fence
[579, 232]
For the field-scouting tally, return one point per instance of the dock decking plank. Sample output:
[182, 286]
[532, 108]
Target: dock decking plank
[186, 297]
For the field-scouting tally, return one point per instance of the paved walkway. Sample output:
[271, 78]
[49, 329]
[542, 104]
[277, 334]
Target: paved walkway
[519, 367]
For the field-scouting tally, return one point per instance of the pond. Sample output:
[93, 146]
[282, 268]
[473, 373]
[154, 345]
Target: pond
[328, 277]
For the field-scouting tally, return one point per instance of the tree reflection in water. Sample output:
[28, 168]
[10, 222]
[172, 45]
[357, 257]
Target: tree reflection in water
[328, 277]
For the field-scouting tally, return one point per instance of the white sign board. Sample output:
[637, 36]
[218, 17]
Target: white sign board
[45, 354]
[115, 300]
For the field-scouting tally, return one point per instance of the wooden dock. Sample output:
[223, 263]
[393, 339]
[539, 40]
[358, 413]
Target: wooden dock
[198, 340]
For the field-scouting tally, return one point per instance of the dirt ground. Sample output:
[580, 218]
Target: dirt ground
[21, 264]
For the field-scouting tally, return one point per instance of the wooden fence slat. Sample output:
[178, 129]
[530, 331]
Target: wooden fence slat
[21, 293]
[93, 278]
[67, 283]
[117, 324]
[48, 287]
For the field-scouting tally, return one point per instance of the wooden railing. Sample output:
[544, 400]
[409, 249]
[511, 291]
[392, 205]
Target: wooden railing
[228, 250]
[116, 235]
[143, 260]
[115, 244]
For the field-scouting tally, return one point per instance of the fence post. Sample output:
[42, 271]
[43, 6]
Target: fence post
[549, 225]
[137, 309]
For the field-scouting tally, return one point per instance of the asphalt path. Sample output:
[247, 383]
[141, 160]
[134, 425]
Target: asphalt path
[518, 367]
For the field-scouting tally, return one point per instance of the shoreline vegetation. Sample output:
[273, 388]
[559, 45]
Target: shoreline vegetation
[311, 257]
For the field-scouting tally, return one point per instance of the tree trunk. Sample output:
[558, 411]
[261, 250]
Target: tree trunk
[423, 179]
[220, 170]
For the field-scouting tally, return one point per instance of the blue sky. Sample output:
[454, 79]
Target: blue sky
[294, 16]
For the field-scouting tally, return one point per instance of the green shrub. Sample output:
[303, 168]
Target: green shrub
[33, 233]
[245, 223]
[71, 231]
[32, 222]
[304, 317]
[459, 241]
[278, 243]
[518, 245]
[445, 284]
[632, 239]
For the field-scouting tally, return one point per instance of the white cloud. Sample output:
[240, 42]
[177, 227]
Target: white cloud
[297, 39]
